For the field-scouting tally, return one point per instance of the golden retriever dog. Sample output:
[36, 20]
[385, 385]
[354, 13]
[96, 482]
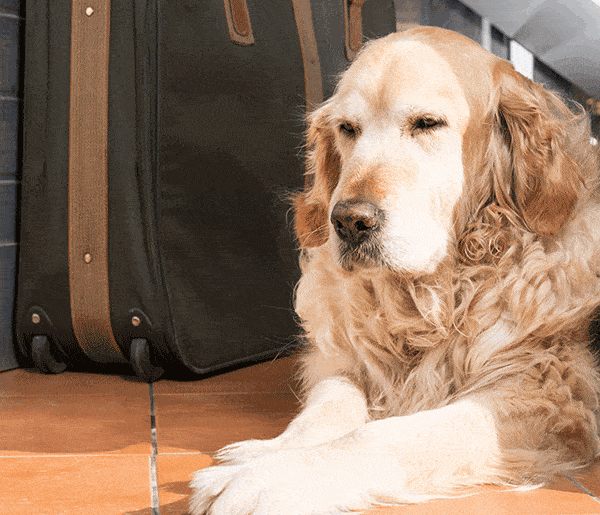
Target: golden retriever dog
[450, 256]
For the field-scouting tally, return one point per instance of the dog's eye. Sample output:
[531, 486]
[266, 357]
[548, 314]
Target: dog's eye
[427, 123]
[348, 129]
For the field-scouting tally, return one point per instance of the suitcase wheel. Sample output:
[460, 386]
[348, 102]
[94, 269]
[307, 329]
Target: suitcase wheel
[43, 357]
[141, 362]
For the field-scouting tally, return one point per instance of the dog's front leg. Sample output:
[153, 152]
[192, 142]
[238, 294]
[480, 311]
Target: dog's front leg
[395, 460]
[333, 408]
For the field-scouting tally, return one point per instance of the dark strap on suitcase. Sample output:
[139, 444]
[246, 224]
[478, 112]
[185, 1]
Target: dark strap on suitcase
[88, 181]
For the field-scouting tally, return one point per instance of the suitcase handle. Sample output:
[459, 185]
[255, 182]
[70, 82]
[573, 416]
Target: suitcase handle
[353, 24]
[313, 85]
[240, 32]
[238, 22]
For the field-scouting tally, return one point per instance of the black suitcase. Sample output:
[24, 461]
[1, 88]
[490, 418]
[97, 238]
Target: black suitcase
[161, 145]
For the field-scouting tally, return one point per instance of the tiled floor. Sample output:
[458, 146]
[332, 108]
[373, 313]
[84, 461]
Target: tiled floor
[81, 444]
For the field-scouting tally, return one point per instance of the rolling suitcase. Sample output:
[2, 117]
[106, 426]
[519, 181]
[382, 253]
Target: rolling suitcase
[161, 144]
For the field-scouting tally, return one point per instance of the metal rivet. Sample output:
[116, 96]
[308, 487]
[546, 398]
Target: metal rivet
[135, 321]
[35, 318]
[89, 11]
[87, 258]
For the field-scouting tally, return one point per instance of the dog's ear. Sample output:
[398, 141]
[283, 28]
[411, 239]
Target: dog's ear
[538, 129]
[322, 174]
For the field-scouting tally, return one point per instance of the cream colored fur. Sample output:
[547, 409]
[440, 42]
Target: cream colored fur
[455, 351]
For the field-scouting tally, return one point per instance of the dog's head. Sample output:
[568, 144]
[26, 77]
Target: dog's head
[426, 138]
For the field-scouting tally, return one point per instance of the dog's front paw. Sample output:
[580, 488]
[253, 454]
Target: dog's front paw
[317, 481]
[208, 484]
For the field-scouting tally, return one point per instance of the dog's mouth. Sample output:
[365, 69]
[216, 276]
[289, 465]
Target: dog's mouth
[365, 255]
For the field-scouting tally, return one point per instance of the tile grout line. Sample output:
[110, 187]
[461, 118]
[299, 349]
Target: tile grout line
[153, 474]
[580, 486]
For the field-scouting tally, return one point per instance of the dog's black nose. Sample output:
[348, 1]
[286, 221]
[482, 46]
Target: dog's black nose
[354, 220]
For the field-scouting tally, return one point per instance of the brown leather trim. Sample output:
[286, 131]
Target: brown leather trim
[313, 84]
[88, 181]
[238, 22]
[353, 25]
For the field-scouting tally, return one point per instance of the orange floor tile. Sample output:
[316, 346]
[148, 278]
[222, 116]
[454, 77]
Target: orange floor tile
[173, 477]
[226, 418]
[79, 443]
[75, 485]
